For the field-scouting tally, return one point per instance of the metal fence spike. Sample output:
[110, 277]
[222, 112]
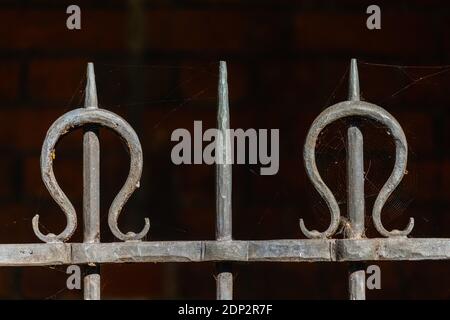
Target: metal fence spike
[90, 98]
[353, 82]
[224, 181]
[91, 188]
[224, 279]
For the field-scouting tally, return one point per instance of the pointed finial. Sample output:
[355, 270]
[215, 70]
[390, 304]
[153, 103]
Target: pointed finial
[90, 98]
[353, 82]
[223, 112]
[223, 86]
[223, 116]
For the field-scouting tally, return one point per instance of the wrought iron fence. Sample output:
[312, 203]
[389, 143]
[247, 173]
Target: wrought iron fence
[320, 246]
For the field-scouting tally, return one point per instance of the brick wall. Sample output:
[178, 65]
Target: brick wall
[156, 64]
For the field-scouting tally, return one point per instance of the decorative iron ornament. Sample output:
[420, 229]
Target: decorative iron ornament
[63, 125]
[355, 107]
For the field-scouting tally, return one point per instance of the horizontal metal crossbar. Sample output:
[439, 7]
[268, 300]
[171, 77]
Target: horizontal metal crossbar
[303, 250]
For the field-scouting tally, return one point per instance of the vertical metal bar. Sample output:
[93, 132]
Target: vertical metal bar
[224, 277]
[355, 191]
[91, 188]
[355, 182]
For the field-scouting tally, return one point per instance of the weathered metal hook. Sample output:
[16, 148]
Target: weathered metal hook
[60, 127]
[354, 107]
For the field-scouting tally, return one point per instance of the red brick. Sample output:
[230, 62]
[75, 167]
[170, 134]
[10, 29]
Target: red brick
[68, 173]
[46, 283]
[9, 80]
[212, 30]
[16, 223]
[200, 82]
[8, 283]
[57, 82]
[198, 222]
[162, 121]
[418, 128]
[197, 31]
[8, 175]
[140, 281]
[443, 133]
[108, 30]
[289, 84]
[46, 30]
[404, 34]
[123, 86]
[25, 129]
[430, 180]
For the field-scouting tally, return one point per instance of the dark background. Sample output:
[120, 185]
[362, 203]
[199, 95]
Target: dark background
[156, 64]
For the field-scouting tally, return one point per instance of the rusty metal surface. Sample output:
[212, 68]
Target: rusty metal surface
[65, 124]
[354, 229]
[353, 226]
[363, 109]
[366, 110]
[224, 276]
[91, 188]
[223, 170]
[301, 251]
[355, 206]
[354, 248]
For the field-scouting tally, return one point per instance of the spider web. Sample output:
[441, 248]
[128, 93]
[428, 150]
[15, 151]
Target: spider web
[130, 91]
[397, 94]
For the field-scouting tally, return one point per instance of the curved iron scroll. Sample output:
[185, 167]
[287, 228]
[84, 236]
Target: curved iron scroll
[362, 109]
[62, 126]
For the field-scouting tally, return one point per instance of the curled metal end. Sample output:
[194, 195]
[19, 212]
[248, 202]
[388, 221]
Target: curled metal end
[51, 237]
[63, 125]
[394, 233]
[314, 234]
[309, 158]
[401, 158]
[129, 236]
